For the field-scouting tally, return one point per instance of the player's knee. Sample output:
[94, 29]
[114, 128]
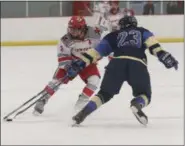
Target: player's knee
[92, 85]
[59, 74]
[52, 83]
[51, 87]
[93, 80]
[104, 96]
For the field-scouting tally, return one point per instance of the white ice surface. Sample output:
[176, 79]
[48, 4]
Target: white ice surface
[26, 70]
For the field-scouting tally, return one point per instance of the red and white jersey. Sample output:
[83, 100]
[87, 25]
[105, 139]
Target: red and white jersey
[105, 19]
[114, 19]
[69, 48]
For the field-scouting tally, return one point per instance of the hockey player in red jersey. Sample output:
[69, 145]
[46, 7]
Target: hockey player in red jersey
[79, 38]
[109, 13]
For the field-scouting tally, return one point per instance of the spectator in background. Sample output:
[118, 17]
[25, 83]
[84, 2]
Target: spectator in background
[180, 5]
[148, 8]
[172, 7]
[80, 8]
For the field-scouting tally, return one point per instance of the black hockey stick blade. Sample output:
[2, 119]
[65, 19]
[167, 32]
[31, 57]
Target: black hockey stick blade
[6, 117]
[23, 110]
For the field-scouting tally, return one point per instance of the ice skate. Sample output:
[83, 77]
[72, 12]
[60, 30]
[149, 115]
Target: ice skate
[79, 117]
[81, 102]
[139, 114]
[39, 107]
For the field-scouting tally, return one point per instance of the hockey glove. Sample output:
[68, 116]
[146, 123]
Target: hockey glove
[75, 67]
[168, 60]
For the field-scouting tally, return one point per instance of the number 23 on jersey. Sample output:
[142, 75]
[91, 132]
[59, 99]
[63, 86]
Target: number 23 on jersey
[130, 38]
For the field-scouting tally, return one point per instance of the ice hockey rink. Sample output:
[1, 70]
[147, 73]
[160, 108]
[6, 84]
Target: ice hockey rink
[26, 70]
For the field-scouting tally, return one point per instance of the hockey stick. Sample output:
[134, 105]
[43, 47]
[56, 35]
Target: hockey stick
[25, 103]
[23, 110]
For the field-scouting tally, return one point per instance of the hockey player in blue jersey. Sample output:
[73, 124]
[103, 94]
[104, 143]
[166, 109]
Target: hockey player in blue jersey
[128, 64]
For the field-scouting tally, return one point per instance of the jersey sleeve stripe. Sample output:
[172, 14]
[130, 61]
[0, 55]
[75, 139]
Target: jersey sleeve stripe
[62, 55]
[151, 41]
[62, 64]
[61, 59]
[154, 49]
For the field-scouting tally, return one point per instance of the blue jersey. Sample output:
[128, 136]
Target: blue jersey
[129, 43]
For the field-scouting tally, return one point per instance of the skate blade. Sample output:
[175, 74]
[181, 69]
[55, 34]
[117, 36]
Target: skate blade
[74, 124]
[142, 120]
[35, 113]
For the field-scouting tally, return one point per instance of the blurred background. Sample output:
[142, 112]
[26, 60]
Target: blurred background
[22, 9]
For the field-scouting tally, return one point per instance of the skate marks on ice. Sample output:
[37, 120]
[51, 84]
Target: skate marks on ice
[121, 127]
[50, 130]
[29, 118]
[53, 127]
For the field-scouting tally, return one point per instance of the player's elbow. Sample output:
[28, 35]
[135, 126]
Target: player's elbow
[155, 49]
[153, 45]
[91, 56]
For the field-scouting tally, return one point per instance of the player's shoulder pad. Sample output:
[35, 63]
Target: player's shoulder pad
[94, 32]
[109, 37]
[142, 29]
[146, 33]
[66, 39]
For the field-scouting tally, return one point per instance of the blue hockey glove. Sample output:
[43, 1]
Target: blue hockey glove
[75, 67]
[168, 60]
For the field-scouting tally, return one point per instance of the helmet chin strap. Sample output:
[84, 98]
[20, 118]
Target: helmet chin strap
[82, 36]
[83, 33]
[79, 37]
